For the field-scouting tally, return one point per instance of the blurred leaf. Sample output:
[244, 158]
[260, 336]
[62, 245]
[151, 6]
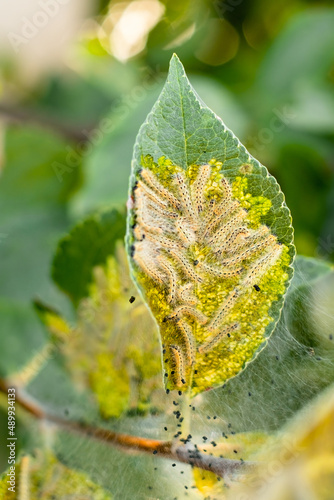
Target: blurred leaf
[113, 348]
[82, 97]
[313, 108]
[27, 338]
[32, 207]
[86, 246]
[297, 363]
[74, 99]
[303, 455]
[302, 53]
[304, 166]
[44, 477]
[178, 18]
[219, 43]
[107, 167]
[185, 157]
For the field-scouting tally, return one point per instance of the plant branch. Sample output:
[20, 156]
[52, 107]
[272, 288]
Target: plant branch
[21, 115]
[187, 453]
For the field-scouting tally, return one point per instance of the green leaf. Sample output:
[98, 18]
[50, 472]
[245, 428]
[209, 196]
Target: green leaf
[209, 238]
[88, 244]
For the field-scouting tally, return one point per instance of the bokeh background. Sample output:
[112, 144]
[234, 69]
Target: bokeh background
[77, 79]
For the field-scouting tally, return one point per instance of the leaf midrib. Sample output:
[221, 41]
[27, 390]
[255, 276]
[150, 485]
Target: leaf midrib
[183, 118]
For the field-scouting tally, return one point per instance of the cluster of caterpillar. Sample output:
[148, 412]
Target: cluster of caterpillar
[168, 224]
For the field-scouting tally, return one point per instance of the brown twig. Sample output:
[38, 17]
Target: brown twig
[187, 453]
[21, 115]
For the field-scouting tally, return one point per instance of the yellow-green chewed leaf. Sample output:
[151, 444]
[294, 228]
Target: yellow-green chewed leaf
[209, 239]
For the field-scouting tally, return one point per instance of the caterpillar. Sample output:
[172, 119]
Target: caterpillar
[221, 272]
[198, 186]
[186, 266]
[248, 239]
[169, 270]
[261, 266]
[164, 212]
[216, 339]
[237, 234]
[150, 194]
[217, 218]
[226, 188]
[149, 177]
[220, 234]
[186, 233]
[224, 308]
[163, 242]
[185, 294]
[188, 311]
[189, 340]
[145, 261]
[143, 215]
[184, 195]
[179, 365]
[267, 242]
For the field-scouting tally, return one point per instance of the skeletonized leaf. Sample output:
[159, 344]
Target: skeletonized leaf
[112, 345]
[209, 239]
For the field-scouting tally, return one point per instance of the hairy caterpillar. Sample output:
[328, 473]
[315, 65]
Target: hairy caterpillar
[186, 266]
[198, 186]
[185, 295]
[189, 311]
[189, 340]
[169, 270]
[149, 177]
[185, 196]
[213, 341]
[221, 272]
[261, 266]
[179, 365]
[223, 309]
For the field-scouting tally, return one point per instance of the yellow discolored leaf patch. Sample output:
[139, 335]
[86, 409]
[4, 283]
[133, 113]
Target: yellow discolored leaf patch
[208, 268]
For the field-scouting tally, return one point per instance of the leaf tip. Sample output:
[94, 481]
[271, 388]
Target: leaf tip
[176, 64]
